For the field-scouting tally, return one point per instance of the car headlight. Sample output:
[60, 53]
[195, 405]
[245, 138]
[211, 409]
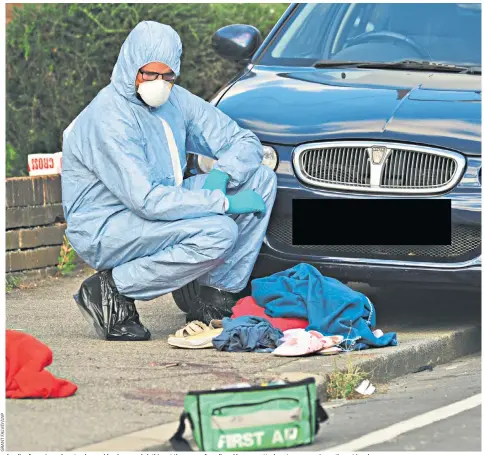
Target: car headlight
[270, 159]
[205, 164]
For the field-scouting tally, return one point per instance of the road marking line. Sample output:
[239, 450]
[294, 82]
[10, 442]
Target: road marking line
[391, 432]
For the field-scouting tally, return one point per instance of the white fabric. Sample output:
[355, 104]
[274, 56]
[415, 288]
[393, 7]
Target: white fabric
[175, 157]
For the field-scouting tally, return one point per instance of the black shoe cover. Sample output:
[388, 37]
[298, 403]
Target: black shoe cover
[113, 316]
[126, 323]
[212, 304]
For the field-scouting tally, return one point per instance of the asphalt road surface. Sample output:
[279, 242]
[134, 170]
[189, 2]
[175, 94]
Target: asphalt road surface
[437, 410]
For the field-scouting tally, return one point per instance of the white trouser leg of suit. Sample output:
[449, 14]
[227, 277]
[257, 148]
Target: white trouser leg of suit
[222, 250]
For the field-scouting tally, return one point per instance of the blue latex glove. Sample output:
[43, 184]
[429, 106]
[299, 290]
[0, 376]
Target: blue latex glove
[247, 201]
[216, 180]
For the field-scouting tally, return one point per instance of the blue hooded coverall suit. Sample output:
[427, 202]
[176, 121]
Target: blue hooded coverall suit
[125, 207]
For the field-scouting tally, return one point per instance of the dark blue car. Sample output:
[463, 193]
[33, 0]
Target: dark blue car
[361, 101]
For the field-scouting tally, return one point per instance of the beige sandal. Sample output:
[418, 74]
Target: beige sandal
[195, 335]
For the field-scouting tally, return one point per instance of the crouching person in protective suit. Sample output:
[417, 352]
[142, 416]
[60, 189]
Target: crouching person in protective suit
[132, 216]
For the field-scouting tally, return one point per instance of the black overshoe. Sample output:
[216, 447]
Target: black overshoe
[212, 304]
[128, 326]
[113, 315]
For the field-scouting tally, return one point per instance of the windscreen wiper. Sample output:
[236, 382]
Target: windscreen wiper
[336, 64]
[472, 70]
[403, 64]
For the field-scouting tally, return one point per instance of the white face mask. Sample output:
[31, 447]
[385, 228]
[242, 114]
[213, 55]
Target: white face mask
[154, 93]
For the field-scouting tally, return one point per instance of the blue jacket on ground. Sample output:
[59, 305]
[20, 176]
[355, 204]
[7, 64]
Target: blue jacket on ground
[247, 334]
[331, 307]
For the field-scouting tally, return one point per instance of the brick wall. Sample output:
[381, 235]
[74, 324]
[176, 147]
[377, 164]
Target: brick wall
[9, 10]
[35, 225]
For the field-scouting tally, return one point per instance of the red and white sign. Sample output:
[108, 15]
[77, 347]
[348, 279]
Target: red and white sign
[45, 164]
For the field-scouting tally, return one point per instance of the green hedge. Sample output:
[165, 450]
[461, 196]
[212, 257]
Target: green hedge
[60, 55]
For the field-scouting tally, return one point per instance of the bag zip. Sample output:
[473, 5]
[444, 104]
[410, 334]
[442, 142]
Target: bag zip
[254, 404]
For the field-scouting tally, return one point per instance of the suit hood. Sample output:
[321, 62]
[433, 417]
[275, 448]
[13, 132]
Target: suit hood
[148, 42]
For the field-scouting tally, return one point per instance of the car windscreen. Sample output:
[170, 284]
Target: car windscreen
[378, 32]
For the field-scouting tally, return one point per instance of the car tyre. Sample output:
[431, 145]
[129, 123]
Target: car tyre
[186, 294]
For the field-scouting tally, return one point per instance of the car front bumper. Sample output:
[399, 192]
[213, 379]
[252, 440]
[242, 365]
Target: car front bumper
[428, 267]
[468, 277]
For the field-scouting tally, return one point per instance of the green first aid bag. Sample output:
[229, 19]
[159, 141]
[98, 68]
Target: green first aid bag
[252, 418]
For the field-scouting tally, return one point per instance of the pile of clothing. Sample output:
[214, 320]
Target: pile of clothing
[26, 377]
[292, 313]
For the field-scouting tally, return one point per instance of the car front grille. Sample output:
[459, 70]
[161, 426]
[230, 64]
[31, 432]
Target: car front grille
[378, 167]
[337, 165]
[407, 169]
[465, 245]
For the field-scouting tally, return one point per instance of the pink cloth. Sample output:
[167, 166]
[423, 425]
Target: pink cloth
[248, 307]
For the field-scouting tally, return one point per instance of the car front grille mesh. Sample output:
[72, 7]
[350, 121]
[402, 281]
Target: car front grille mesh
[465, 245]
[410, 169]
[347, 165]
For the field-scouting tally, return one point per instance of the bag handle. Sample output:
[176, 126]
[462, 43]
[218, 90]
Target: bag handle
[321, 415]
[177, 441]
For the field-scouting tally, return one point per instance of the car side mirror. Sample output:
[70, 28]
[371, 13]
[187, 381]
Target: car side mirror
[237, 43]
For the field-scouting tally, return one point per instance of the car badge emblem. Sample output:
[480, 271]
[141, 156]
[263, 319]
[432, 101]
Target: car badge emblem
[378, 154]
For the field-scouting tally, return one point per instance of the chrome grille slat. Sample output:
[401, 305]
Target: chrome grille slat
[336, 166]
[403, 168]
[437, 167]
[333, 165]
[324, 167]
[407, 174]
[417, 170]
[345, 154]
[359, 157]
[353, 161]
[311, 159]
[425, 179]
[399, 170]
[315, 161]
[367, 167]
[334, 155]
[393, 174]
[412, 167]
[341, 166]
[421, 172]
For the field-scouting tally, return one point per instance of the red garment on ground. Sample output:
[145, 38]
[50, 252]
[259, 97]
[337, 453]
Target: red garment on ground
[26, 358]
[248, 307]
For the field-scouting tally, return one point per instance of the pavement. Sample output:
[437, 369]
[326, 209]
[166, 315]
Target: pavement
[437, 411]
[131, 393]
